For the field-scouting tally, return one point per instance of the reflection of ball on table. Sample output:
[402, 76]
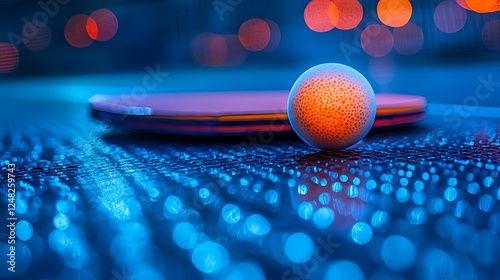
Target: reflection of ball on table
[331, 106]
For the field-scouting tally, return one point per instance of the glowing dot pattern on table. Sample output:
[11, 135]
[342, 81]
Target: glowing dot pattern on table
[317, 17]
[449, 17]
[377, 40]
[410, 204]
[76, 33]
[9, 57]
[346, 14]
[37, 36]
[331, 106]
[394, 13]
[104, 25]
[255, 34]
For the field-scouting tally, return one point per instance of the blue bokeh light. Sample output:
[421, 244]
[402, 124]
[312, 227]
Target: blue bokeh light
[258, 225]
[185, 235]
[272, 197]
[398, 253]
[379, 221]
[245, 271]
[173, 204]
[323, 217]
[231, 213]
[299, 247]
[306, 210]
[61, 221]
[204, 193]
[361, 233]
[402, 195]
[343, 270]
[209, 257]
[24, 230]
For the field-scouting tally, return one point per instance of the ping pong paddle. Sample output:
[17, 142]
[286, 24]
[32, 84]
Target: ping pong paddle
[230, 113]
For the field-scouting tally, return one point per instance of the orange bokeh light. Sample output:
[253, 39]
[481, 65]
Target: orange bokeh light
[463, 4]
[275, 36]
[377, 40]
[346, 15]
[104, 25]
[75, 31]
[449, 17]
[9, 57]
[36, 36]
[316, 15]
[254, 34]
[394, 13]
[408, 39]
[484, 6]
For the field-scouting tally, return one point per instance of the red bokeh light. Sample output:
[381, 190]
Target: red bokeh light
[408, 39]
[449, 17]
[215, 50]
[75, 31]
[36, 36]
[9, 57]
[317, 15]
[377, 40]
[254, 34]
[105, 27]
[348, 14]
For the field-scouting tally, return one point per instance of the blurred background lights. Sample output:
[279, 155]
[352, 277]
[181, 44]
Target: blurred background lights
[61, 221]
[342, 270]
[398, 253]
[463, 4]
[173, 204]
[361, 233]
[245, 271]
[255, 34]
[379, 221]
[102, 25]
[185, 235]
[299, 247]
[316, 16]
[210, 49]
[58, 241]
[36, 36]
[275, 36]
[350, 14]
[257, 225]
[394, 13]
[449, 17]
[323, 217]
[408, 39]
[484, 6]
[306, 210]
[231, 213]
[209, 257]
[21, 206]
[76, 28]
[24, 230]
[9, 57]
[377, 40]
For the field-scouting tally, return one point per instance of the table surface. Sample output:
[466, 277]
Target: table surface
[104, 204]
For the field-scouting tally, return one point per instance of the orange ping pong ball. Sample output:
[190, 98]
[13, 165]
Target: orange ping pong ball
[331, 106]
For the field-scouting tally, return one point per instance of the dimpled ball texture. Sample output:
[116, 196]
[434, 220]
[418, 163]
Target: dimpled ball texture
[331, 106]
